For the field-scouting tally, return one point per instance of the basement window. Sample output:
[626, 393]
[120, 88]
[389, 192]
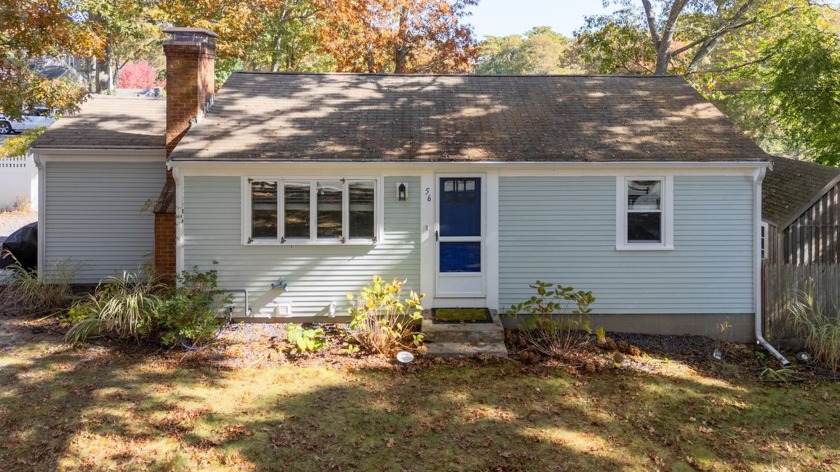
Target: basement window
[644, 219]
[306, 211]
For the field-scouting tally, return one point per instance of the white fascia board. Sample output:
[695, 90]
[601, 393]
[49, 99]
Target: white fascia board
[506, 169]
[100, 154]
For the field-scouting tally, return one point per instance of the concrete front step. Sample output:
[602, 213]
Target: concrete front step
[465, 336]
[464, 339]
[451, 350]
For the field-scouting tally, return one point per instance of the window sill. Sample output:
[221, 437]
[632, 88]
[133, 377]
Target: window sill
[291, 242]
[644, 247]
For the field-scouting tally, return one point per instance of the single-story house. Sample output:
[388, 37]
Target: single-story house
[298, 188]
[801, 213]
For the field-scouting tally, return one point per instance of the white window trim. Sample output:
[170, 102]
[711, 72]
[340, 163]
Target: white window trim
[762, 241]
[246, 222]
[667, 243]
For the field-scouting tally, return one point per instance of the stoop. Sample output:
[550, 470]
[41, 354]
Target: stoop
[463, 339]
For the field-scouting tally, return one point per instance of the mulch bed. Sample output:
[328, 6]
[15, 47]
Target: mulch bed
[265, 345]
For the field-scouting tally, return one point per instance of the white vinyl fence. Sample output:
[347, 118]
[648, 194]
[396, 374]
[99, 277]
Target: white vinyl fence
[18, 177]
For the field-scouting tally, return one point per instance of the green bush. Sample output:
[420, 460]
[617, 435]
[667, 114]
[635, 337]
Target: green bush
[305, 340]
[382, 320]
[123, 307]
[555, 321]
[819, 329]
[189, 311]
[137, 307]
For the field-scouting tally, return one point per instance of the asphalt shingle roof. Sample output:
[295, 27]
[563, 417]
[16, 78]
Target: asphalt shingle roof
[110, 122]
[368, 117]
[792, 187]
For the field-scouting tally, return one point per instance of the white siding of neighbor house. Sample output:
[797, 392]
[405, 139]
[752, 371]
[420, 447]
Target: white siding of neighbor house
[562, 229]
[94, 218]
[317, 275]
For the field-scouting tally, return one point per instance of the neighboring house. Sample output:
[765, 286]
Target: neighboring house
[801, 213]
[300, 187]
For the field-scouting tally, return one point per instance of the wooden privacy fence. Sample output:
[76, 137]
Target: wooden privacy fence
[780, 284]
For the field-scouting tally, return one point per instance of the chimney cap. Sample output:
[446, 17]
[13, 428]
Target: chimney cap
[196, 36]
[176, 31]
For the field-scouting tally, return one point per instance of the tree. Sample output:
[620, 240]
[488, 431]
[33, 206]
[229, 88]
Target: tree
[34, 28]
[770, 65]
[253, 34]
[400, 36]
[137, 75]
[793, 99]
[127, 32]
[288, 35]
[671, 35]
[538, 51]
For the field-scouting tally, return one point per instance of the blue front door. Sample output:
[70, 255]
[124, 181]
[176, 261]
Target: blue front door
[460, 237]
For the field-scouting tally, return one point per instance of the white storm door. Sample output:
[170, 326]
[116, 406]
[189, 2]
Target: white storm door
[459, 235]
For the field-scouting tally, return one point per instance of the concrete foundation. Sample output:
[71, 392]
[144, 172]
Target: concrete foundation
[741, 325]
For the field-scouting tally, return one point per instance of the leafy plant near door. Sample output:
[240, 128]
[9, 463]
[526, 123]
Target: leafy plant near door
[382, 320]
[555, 321]
[303, 340]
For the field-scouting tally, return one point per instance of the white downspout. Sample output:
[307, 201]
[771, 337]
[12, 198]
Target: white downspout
[758, 177]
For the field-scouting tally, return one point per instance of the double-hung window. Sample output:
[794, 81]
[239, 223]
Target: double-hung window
[300, 211]
[644, 213]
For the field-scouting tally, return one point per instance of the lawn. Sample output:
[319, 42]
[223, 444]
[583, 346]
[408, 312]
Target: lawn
[105, 408]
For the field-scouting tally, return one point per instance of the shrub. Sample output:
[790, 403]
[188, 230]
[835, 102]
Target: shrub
[123, 306]
[555, 321]
[189, 311]
[137, 307]
[27, 294]
[820, 330]
[382, 321]
[304, 340]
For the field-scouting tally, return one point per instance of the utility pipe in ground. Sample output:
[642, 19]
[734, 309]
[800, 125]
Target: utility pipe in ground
[758, 177]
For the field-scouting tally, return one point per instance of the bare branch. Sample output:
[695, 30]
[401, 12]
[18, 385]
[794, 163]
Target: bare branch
[735, 67]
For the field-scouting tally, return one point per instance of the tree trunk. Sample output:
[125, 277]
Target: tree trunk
[400, 50]
[275, 53]
[109, 61]
[666, 37]
[97, 69]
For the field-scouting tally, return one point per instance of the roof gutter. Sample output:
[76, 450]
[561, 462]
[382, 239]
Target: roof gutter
[758, 177]
[502, 164]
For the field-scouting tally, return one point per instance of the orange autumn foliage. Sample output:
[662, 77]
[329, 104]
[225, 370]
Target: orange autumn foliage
[400, 36]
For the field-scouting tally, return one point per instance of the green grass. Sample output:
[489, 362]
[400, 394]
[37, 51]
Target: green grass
[101, 409]
[460, 314]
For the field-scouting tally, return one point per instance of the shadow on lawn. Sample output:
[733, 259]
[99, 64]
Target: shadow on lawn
[447, 418]
[108, 408]
[52, 394]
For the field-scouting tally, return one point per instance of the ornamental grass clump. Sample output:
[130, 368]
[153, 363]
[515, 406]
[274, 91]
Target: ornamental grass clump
[819, 328]
[382, 321]
[123, 306]
[31, 295]
[555, 321]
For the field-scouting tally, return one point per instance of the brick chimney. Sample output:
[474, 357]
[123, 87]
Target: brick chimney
[190, 89]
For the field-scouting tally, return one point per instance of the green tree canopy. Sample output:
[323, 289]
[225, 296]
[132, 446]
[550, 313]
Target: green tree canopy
[538, 51]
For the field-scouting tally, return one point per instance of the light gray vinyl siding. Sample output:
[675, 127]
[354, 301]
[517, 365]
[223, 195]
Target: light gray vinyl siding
[94, 217]
[562, 229]
[317, 275]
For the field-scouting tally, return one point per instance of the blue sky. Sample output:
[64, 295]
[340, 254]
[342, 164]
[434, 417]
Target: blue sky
[505, 17]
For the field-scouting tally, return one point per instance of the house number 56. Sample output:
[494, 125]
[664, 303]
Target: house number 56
[428, 194]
